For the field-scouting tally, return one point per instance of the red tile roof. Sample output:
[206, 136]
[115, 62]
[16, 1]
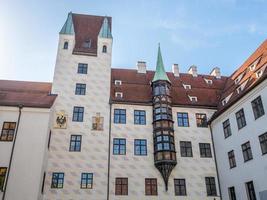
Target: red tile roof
[87, 27]
[28, 94]
[259, 58]
[136, 88]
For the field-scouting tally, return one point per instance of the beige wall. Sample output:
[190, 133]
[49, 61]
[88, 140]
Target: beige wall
[26, 172]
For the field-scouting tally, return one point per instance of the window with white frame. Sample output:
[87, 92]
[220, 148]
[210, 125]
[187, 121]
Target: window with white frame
[118, 94]
[187, 87]
[117, 82]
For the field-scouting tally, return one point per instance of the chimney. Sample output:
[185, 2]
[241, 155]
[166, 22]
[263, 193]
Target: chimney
[193, 70]
[141, 67]
[175, 70]
[216, 72]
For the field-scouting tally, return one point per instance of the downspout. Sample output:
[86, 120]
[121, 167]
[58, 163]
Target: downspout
[215, 158]
[109, 146]
[12, 152]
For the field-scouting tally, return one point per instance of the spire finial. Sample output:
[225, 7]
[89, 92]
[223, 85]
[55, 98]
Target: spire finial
[160, 73]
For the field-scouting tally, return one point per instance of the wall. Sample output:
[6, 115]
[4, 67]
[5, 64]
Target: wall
[25, 179]
[255, 169]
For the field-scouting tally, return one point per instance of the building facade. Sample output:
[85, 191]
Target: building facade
[113, 134]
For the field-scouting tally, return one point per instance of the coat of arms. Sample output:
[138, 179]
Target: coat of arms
[61, 120]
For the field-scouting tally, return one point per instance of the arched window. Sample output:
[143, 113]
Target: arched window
[66, 45]
[104, 49]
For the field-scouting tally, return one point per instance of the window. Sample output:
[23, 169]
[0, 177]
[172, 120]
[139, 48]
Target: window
[247, 153]
[87, 43]
[201, 120]
[240, 119]
[227, 128]
[208, 81]
[57, 180]
[119, 146]
[211, 186]
[118, 95]
[182, 119]
[80, 89]
[98, 122]
[66, 45]
[151, 186]
[86, 180]
[117, 82]
[82, 68]
[2, 177]
[180, 187]
[121, 186]
[193, 99]
[77, 114]
[75, 142]
[140, 117]
[259, 73]
[205, 150]
[186, 149]
[231, 158]
[104, 49]
[231, 191]
[250, 191]
[187, 87]
[263, 143]
[257, 107]
[119, 116]
[8, 131]
[140, 147]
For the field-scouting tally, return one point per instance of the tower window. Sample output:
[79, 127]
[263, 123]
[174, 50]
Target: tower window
[82, 68]
[87, 43]
[104, 49]
[66, 45]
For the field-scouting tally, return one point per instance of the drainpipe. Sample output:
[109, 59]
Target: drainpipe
[215, 162]
[12, 152]
[109, 146]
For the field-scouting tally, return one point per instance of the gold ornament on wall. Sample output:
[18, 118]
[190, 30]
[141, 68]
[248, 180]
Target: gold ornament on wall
[61, 120]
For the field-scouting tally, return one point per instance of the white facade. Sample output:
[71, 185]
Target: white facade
[253, 170]
[29, 155]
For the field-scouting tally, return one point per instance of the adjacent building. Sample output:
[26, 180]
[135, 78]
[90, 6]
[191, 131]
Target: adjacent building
[111, 134]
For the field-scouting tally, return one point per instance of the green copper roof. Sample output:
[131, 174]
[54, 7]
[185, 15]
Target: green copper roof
[68, 26]
[160, 73]
[105, 29]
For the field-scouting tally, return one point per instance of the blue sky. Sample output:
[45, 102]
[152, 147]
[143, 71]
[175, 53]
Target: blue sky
[206, 33]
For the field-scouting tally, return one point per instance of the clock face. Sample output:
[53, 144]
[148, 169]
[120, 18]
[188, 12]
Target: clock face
[61, 120]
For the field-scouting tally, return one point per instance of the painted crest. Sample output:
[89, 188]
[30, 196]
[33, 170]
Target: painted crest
[61, 120]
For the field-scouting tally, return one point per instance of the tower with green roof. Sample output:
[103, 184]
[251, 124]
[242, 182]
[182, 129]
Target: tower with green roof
[163, 133]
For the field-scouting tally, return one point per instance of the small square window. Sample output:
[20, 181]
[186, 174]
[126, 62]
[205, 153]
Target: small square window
[57, 180]
[86, 180]
[240, 119]
[140, 117]
[8, 131]
[121, 186]
[201, 120]
[80, 89]
[82, 68]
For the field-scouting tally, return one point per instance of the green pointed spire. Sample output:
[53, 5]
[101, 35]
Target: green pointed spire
[68, 28]
[105, 31]
[160, 73]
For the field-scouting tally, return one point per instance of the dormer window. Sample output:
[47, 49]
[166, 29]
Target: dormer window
[66, 45]
[208, 81]
[117, 82]
[187, 87]
[238, 79]
[259, 73]
[118, 95]
[193, 99]
[87, 43]
[224, 102]
[252, 67]
[104, 49]
[239, 89]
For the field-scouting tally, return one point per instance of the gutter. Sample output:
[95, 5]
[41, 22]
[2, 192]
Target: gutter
[109, 146]
[216, 165]
[12, 152]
